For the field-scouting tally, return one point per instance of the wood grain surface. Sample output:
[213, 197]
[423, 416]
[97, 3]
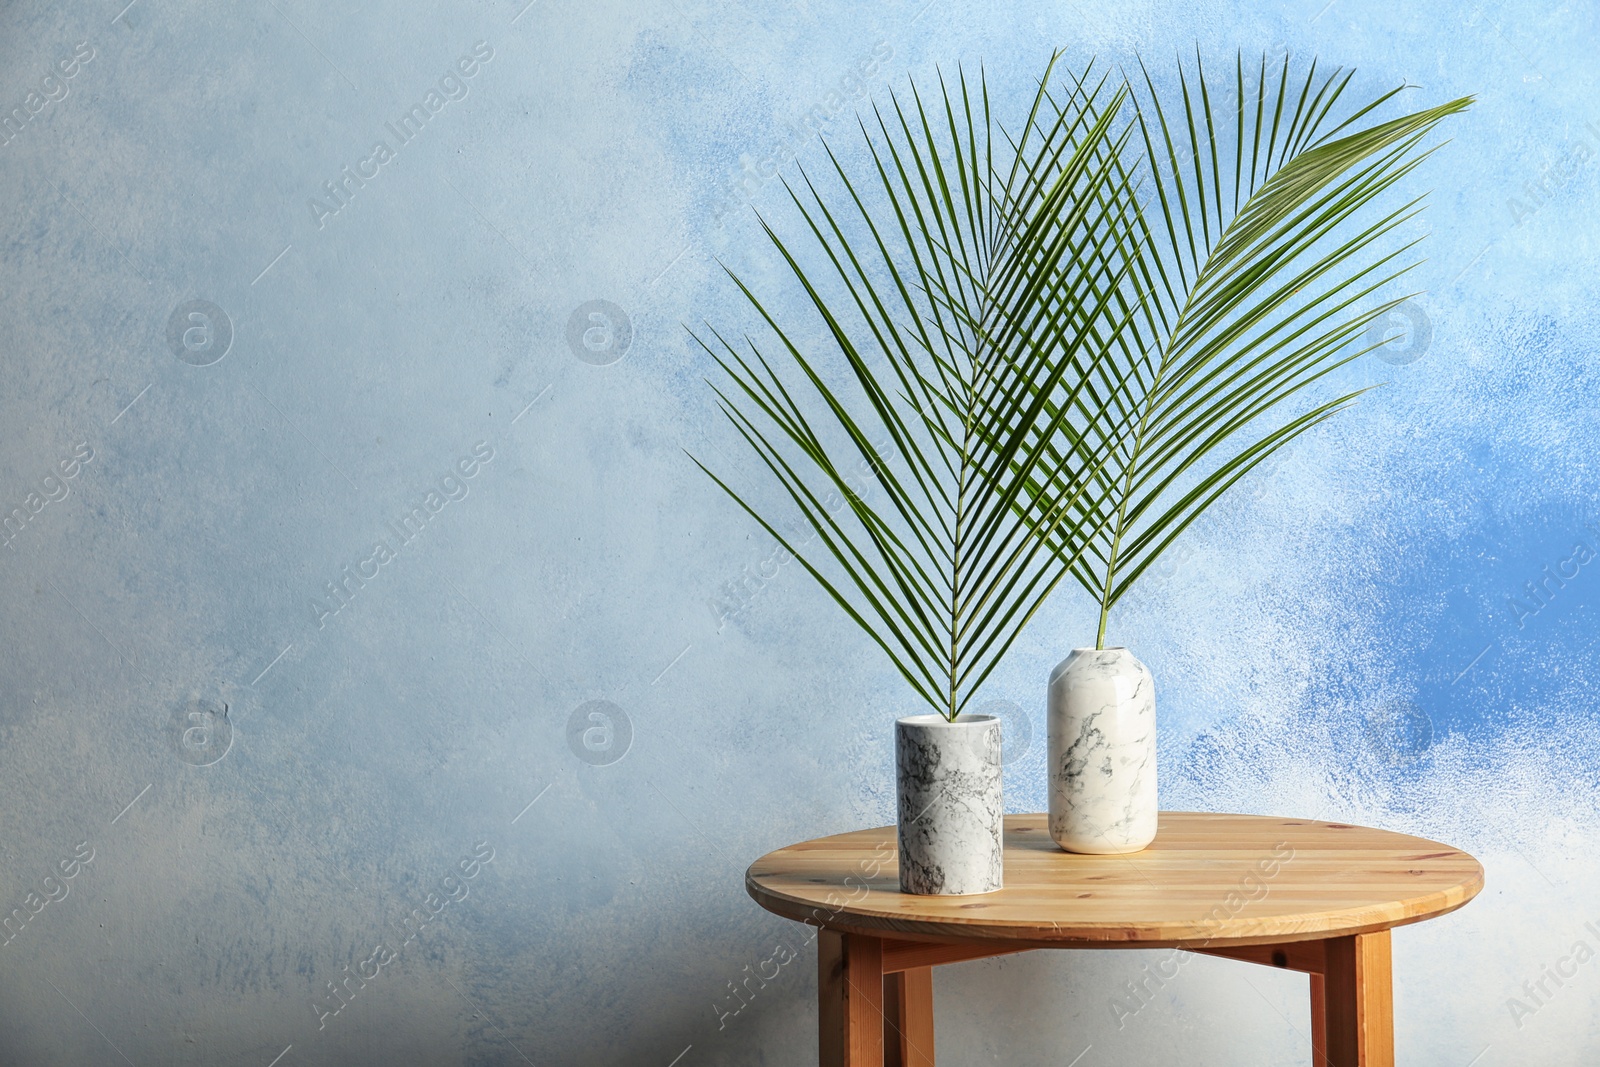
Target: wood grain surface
[1208, 879]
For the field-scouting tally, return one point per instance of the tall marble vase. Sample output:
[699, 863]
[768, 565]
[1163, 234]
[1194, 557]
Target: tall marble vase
[1102, 726]
[951, 818]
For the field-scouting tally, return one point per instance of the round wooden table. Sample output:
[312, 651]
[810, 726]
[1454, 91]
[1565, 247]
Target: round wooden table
[1316, 897]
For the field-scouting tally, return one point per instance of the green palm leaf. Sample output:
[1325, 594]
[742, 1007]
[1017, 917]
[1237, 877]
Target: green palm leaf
[970, 282]
[1266, 237]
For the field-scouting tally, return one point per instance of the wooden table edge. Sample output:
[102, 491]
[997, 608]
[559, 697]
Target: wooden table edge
[1024, 939]
[1111, 936]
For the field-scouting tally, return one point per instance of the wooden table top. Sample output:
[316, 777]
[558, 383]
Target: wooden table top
[1239, 879]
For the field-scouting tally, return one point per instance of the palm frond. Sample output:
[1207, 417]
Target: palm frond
[1263, 242]
[969, 284]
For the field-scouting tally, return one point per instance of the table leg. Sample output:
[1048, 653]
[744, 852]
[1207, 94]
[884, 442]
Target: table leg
[908, 1018]
[850, 1000]
[1357, 1002]
[1319, 1022]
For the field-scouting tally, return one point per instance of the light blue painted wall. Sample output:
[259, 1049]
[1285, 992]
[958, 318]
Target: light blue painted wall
[1338, 642]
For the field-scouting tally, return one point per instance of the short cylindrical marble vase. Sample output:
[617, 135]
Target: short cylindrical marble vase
[951, 816]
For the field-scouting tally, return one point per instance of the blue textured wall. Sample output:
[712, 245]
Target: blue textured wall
[316, 582]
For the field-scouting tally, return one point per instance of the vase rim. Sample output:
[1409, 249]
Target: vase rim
[935, 719]
[1108, 648]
